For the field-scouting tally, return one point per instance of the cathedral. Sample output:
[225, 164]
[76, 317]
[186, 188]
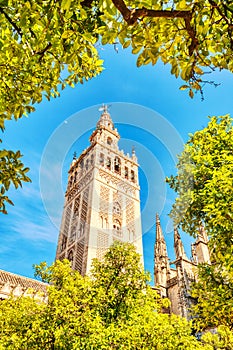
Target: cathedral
[174, 283]
[102, 205]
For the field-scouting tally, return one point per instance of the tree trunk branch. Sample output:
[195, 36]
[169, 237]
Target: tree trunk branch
[131, 16]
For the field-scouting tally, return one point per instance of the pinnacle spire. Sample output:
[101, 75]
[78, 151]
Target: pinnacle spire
[161, 266]
[202, 235]
[201, 245]
[178, 245]
[160, 245]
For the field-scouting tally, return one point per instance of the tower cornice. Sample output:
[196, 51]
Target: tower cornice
[114, 132]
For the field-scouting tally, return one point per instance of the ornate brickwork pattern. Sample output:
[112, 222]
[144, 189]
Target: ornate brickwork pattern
[130, 219]
[63, 243]
[130, 213]
[73, 231]
[104, 201]
[117, 206]
[78, 264]
[84, 205]
[102, 244]
[67, 220]
[75, 219]
[117, 198]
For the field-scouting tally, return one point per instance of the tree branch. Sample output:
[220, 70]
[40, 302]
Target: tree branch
[131, 16]
[42, 52]
[214, 5]
[87, 3]
[14, 25]
[192, 33]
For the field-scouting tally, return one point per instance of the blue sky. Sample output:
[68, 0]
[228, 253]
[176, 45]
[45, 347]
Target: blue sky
[150, 112]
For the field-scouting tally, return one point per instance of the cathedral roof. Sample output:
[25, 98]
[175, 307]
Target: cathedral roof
[13, 281]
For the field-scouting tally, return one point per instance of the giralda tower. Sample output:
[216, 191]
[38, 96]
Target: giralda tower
[102, 201]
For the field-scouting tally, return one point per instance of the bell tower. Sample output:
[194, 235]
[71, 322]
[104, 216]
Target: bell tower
[102, 201]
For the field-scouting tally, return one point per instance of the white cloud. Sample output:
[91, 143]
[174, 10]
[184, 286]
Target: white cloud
[32, 230]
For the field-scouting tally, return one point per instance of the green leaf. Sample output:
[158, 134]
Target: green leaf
[65, 4]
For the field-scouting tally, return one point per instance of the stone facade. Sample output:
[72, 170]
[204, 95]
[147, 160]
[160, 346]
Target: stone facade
[16, 285]
[102, 201]
[175, 283]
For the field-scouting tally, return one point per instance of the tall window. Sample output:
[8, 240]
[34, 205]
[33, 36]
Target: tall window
[75, 176]
[71, 180]
[71, 257]
[108, 164]
[126, 172]
[117, 165]
[132, 176]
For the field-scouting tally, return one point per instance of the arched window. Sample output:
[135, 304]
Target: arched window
[116, 208]
[126, 172]
[117, 226]
[108, 163]
[132, 176]
[109, 141]
[117, 165]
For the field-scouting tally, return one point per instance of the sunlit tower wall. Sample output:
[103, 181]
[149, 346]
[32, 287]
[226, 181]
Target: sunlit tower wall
[102, 202]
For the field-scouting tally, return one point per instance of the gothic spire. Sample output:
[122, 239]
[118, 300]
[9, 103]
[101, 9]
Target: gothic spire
[178, 245]
[161, 261]
[160, 245]
[201, 246]
[202, 235]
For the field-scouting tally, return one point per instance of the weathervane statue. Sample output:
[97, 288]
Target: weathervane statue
[104, 108]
